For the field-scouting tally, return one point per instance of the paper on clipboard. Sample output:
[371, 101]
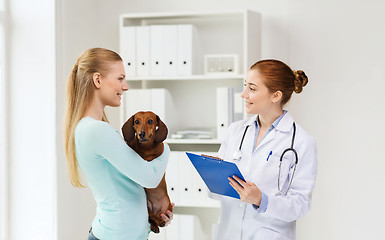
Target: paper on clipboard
[215, 174]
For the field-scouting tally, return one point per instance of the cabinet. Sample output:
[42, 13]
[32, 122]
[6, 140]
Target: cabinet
[194, 96]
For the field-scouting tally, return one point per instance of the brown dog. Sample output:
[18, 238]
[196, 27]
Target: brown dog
[144, 132]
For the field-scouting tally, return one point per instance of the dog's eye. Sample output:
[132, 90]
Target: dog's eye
[150, 121]
[136, 121]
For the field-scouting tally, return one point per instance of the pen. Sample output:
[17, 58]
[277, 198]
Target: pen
[271, 152]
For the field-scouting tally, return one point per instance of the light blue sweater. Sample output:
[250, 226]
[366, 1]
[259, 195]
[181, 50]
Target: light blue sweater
[116, 175]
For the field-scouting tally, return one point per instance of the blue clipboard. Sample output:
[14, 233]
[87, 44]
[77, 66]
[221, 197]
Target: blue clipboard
[215, 172]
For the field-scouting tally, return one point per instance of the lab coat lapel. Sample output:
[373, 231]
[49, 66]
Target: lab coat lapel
[284, 125]
[267, 139]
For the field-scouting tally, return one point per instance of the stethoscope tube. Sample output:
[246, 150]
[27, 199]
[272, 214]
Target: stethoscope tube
[238, 155]
[295, 165]
[243, 137]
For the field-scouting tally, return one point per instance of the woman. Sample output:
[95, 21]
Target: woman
[114, 172]
[265, 210]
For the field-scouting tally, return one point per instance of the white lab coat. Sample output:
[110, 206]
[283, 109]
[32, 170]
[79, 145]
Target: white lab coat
[240, 220]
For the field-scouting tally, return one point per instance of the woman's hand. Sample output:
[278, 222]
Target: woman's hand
[248, 191]
[167, 217]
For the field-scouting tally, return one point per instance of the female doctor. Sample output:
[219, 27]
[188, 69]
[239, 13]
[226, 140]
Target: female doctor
[273, 196]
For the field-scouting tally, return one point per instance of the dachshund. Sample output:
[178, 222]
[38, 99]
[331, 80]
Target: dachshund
[144, 132]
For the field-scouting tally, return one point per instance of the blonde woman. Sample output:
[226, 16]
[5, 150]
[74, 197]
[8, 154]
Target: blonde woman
[114, 172]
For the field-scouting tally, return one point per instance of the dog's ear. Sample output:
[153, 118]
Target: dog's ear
[161, 132]
[128, 129]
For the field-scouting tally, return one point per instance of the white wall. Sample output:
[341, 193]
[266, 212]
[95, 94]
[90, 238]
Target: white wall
[3, 133]
[31, 99]
[339, 44]
[77, 30]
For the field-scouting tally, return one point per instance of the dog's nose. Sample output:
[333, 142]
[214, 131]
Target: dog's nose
[142, 134]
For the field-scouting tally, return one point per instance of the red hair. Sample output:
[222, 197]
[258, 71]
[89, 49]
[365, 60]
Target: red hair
[279, 77]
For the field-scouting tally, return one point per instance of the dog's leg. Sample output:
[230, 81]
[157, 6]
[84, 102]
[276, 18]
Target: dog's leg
[160, 203]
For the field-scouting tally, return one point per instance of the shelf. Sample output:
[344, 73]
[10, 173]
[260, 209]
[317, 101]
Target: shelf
[193, 141]
[171, 15]
[191, 77]
[215, 204]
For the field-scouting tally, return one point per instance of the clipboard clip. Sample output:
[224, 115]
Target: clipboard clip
[218, 158]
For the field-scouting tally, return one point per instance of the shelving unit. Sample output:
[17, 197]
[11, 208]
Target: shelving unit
[194, 96]
[189, 78]
[193, 141]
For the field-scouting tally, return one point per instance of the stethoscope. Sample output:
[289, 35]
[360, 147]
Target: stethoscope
[238, 155]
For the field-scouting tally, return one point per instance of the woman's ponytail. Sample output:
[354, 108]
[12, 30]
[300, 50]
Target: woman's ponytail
[79, 95]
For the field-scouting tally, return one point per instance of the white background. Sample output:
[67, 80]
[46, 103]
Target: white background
[30, 93]
[339, 44]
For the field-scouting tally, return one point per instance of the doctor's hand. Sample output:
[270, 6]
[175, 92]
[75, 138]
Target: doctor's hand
[248, 191]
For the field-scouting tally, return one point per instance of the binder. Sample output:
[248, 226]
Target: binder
[236, 104]
[190, 228]
[188, 50]
[172, 177]
[200, 190]
[215, 174]
[156, 51]
[186, 227]
[185, 180]
[170, 42]
[229, 108]
[172, 230]
[222, 112]
[136, 100]
[143, 50]
[159, 102]
[128, 50]
[163, 105]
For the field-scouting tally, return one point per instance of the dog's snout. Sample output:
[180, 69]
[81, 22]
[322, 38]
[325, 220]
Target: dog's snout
[142, 134]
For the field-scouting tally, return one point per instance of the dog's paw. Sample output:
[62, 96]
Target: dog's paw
[162, 223]
[153, 225]
[155, 229]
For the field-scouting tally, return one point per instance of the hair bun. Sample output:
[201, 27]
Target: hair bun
[300, 80]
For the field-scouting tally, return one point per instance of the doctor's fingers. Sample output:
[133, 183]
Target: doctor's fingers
[240, 181]
[235, 186]
[235, 183]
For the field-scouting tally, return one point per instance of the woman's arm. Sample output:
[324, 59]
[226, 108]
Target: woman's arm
[106, 142]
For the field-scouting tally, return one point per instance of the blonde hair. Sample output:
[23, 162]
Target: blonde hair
[79, 93]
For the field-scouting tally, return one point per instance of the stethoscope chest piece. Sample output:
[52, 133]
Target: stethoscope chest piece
[237, 155]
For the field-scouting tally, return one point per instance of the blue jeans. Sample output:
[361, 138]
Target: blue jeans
[91, 236]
